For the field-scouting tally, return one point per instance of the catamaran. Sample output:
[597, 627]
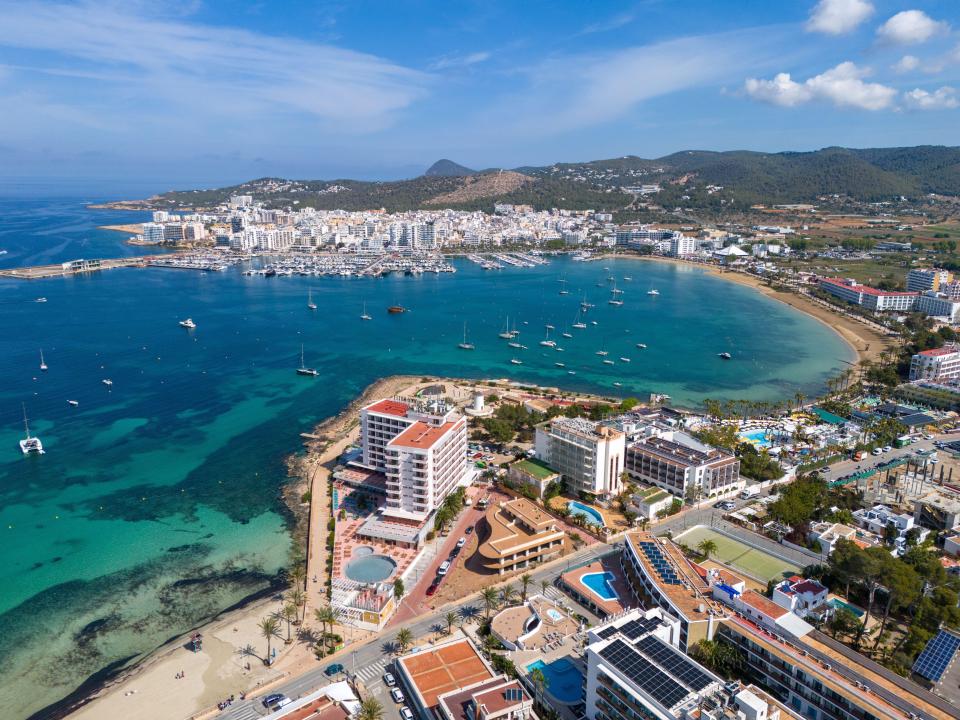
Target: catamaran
[43, 364]
[303, 369]
[465, 345]
[547, 342]
[311, 305]
[29, 445]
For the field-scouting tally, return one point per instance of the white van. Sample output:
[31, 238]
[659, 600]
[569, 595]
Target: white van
[749, 493]
[444, 568]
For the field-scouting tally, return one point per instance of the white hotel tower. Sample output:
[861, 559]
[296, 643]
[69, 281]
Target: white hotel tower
[421, 448]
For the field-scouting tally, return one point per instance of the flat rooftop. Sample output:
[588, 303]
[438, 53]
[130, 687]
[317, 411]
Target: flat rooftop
[389, 407]
[421, 436]
[439, 670]
[536, 468]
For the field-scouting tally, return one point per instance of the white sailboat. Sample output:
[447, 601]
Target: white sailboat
[303, 369]
[465, 345]
[311, 305]
[547, 342]
[365, 315]
[29, 445]
[43, 364]
[506, 334]
[563, 287]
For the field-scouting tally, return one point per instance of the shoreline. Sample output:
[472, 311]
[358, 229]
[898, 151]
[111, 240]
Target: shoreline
[866, 344]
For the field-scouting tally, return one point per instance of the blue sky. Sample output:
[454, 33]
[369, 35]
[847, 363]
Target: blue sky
[210, 91]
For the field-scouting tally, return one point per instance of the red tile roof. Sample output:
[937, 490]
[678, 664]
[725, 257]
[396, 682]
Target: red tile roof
[764, 605]
[421, 436]
[937, 352]
[866, 289]
[389, 407]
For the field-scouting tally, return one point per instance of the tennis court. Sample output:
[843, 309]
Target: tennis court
[740, 556]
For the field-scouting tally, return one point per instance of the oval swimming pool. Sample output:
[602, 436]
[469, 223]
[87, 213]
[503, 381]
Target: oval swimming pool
[591, 515]
[368, 567]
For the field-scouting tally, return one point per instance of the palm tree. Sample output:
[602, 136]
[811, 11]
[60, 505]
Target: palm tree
[544, 584]
[289, 613]
[539, 681]
[370, 709]
[323, 616]
[490, 599]
[404, 639]
[707, 548]
[450, 618]
[298, 574]
[525, 581]
[508, 595]
[268, 628]
[299, 600]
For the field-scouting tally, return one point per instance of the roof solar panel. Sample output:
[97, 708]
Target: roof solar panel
[936, 656]
[656, 683]
[676, 664]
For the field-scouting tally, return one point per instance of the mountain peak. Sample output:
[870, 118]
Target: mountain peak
[448, 168]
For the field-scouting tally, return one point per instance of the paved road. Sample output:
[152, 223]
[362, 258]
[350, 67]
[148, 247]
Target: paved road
[369, 661]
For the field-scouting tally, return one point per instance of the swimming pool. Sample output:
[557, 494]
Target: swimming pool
[760, 438]
[600, 583]
[837, 603]
[591, 515]
[368, 567]
[554, 615]
[564, 681]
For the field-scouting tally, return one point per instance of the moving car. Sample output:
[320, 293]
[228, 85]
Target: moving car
[272, 698]
[397, 695]
[333, 669]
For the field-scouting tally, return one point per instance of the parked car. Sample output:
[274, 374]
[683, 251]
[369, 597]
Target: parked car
[461, 542]
[282, 702]
[469, 530]
[397, 695]
[876, 451]
[271, 699]
[406, 713]
[444, 568]
[887, 448]
[432, 589]
[389, 679]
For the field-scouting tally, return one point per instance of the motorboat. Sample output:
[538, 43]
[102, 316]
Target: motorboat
[73, 402]
[188, 323]
[396, 309]
[608, 362]
[602, 352]
[653, 292]
[624, 359]
[40, 299]
[559, 364]
[515, 361]
[108, 382]
[724, 355]
[642, 346]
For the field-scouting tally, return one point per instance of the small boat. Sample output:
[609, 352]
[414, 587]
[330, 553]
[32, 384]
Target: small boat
[653, 292]
[550, 327]
[559, 364]
[602, 352]
[40, 299]
[593, 322]
[558, 348]
[571, 372]
[29, 445]
[567, 334]
[43, 364]
[506, 333]
[627, 278]
[563, 287]
[624, 359]
[365, 315]
[515, 361]
[724, 355]
[642, 346]
[608, 362]
[396, 309]
[612, 301]
[465, 345]
[73, 402]
[581, 325]
[108, 382]
[616, 384]
[303, 369]
[514, 344]
[188, 323]
[311, 305]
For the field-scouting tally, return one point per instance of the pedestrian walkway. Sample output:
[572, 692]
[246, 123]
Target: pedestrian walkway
[246, 710]
[372, 673]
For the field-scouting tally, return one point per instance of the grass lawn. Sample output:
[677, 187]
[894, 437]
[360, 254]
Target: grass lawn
[740, 556]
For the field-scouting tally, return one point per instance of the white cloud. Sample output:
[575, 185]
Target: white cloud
[837, 17]
[908, 63]
[910, 27]
[614, 23]
[842, 85]
[944, 98]
[202, 70]
[452, 61]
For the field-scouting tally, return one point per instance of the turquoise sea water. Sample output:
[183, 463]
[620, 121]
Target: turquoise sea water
[158, 501]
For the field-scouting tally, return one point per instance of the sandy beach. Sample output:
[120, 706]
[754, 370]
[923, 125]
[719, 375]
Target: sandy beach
[130, 229]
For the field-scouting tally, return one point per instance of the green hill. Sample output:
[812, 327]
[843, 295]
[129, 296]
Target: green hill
[746, 177]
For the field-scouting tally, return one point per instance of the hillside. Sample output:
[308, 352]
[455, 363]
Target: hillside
[746, 177]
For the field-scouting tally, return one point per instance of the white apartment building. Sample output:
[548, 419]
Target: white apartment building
[682, 245]
[938, 305]
[878, 518]
[153, 232]
[589, 456]
[879, 300]
[923, 279]
[421, 449]
[938, 364]
[683, 466]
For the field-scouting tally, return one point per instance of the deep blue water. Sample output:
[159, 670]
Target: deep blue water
[157, 503]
